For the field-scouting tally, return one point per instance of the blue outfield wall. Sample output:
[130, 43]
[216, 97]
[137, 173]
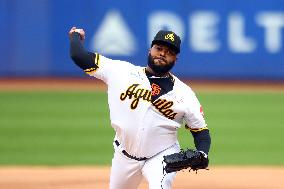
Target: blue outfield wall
[221, 39]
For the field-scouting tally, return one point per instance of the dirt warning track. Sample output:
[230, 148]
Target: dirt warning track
[63, 84]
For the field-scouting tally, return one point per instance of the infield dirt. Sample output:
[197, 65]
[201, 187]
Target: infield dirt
[98, 177]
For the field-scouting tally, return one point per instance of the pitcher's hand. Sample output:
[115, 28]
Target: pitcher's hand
[80, 31]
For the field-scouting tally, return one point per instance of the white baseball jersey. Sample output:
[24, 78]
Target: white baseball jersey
[145, 128]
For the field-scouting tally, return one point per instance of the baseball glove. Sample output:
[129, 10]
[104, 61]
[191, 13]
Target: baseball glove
[192, 159]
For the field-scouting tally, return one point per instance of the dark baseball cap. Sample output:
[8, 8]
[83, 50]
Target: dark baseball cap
[168, 38]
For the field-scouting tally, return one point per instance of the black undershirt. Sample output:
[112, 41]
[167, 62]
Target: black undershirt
[160, 85]
[80, 56]
[202, 140]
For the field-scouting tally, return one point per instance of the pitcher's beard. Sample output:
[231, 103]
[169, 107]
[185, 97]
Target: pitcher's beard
[159, 69]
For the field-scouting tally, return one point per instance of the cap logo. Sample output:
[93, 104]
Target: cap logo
[170, 36]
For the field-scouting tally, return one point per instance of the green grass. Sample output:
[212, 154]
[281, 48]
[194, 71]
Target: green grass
[73, 128]
[246, 128]
[54, 128]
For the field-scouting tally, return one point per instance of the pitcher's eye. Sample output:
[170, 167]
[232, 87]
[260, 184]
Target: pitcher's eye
[159, 48]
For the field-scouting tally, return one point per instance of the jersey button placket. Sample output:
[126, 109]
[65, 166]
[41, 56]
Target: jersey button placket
[141, 130]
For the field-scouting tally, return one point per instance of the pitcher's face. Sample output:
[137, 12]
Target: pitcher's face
[161, 58]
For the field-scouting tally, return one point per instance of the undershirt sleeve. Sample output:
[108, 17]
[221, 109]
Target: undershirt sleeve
[80, 56]
[202, 140]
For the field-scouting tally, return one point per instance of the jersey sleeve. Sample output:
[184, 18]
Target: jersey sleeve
[194, 117]
[102, 67]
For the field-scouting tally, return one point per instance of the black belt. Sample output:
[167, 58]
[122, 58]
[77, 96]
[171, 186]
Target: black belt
[128, 155]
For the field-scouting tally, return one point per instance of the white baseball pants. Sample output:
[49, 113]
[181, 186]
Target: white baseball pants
[127, 173]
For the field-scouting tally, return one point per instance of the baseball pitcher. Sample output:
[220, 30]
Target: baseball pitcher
[147, 106]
